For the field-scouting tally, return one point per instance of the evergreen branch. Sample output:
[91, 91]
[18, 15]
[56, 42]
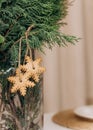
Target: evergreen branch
[10, 27]
[17, 121]
[26, 33]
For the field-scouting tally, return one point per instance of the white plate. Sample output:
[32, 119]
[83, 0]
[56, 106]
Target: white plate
[85, 111]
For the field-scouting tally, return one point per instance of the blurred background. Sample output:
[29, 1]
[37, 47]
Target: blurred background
[68, 80]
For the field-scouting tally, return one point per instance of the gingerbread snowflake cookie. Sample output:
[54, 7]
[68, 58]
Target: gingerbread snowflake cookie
[24, 73]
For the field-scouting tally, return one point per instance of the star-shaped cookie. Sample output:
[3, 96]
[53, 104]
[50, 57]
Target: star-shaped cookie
[26, 75]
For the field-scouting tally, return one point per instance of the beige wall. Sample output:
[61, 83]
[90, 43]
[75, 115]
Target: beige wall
[69, 72]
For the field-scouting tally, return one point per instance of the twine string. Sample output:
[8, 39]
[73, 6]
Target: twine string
[19, 57]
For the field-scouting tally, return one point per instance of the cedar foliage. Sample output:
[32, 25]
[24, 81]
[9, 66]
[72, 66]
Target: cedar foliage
[16, 16]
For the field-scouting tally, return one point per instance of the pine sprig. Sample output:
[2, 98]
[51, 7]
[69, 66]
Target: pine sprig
[17, 16]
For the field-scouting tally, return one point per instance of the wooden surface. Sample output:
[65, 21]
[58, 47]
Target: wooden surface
[70, 120]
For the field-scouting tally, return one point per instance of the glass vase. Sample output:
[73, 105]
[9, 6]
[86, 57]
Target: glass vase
[19, 112]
